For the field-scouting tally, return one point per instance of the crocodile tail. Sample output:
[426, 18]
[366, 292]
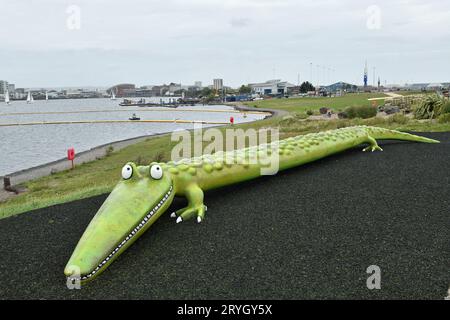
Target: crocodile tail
[386, 134]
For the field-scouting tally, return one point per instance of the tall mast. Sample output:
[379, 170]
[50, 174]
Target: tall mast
[365, 75]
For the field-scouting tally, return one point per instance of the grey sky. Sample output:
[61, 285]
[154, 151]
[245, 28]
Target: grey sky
[241, 41]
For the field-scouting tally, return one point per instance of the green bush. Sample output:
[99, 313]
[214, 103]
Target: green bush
[342, 115]
[430, 107]
[288, 120]
[399, 118]
[109, 150]
[444, 118]
[374, 121]
[309, 112]
[363, 112]
[446, 108]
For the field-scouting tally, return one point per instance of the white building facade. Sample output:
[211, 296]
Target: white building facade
[3, 86]
[218, 84]
[271, 87]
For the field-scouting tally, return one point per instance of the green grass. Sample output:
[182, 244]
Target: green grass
[315, 103]
[100, 176]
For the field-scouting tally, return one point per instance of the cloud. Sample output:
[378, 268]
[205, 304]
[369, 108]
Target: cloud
[187, 40]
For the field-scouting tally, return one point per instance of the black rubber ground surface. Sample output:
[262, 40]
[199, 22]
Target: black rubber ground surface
[310, 232]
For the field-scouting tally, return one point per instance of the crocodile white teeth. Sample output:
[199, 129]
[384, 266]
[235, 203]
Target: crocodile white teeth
[173, 215]
[179, 219]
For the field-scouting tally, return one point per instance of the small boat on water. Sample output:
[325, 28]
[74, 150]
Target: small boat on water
[30, 97]
[134, 117]
[113, 95]
[46, 96]
[7, 97]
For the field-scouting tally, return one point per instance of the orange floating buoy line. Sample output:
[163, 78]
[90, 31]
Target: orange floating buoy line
[37, 123]
[128, 110]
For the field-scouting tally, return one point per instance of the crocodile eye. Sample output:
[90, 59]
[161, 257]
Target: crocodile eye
[156, 172]
[127, 171]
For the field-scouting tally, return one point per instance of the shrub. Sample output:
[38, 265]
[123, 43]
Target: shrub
[301, 115]
[444, 118]
[289, 119]
[309, 112]
[160, 157]
[374, 121]
[342, 115]
[399, 118]
[323, 110]
[363, 112]
[430, 107]
[140, 160]
[446, 108]
[343, 124]
[109, 150]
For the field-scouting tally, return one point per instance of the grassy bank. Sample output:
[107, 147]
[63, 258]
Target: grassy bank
[315, 103]
[100, 176]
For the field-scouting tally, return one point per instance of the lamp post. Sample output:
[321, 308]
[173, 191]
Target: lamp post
[374, 68]
[318, 75]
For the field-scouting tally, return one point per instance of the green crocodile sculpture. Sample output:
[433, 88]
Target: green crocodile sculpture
[145, 192]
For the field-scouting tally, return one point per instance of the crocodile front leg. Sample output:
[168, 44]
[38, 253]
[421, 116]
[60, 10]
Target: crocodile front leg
[373, 145]
[195, 206]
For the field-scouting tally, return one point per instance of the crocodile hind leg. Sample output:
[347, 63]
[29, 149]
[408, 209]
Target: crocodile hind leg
[195, 206]
[373, 145]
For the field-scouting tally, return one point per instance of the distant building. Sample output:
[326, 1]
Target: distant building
[417, 86]
[434, 86]
[198, 84]
[156, 91]
[341, 86]
[20, 93]
[11, 88]
[145, 91]
[174, 87]
[123, 90]
[218, 84]
[271, 87]
[3, 86]
[193, 90]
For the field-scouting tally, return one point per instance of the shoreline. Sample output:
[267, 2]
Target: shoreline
[242, 107]
[96, 153]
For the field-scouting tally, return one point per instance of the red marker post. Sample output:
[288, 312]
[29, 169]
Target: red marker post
[231, 120]
[71, 155]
